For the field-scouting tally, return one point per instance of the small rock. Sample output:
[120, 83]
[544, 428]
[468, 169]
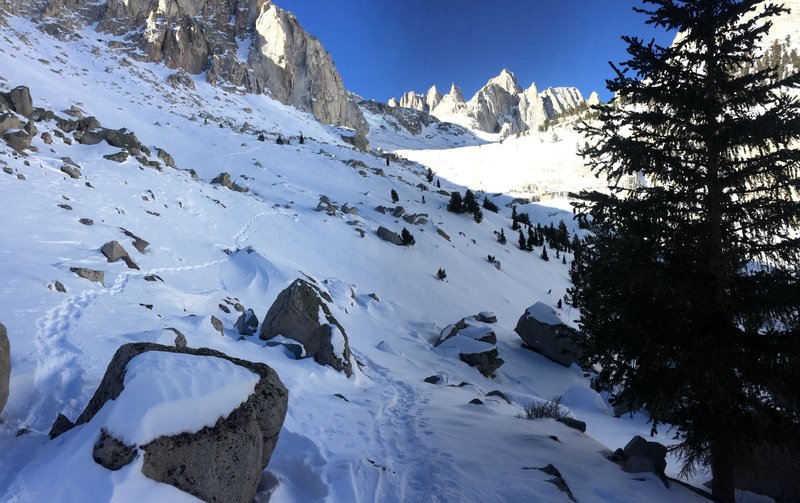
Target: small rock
[19, 140]
[86, 221]
[442, 233]
[120, 156]
[72, 171]
[59, 287]
[153, 277]
[47, 138]
[476, 401]
[112, 453]
[573, 423]
[90, 274]
[217, 324]
[387, 235]
[60, 425]
[247, 324]
[432, 380]
[180, 340]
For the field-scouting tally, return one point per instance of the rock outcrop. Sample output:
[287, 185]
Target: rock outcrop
[222, 462]
[544, 332]
[5, 366]
[500, 106]
[301, 313]
[198, 36]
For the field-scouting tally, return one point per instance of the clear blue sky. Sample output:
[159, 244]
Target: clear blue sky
[383, 48]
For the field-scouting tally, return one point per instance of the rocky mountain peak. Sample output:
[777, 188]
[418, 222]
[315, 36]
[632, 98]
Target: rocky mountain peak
[456, 94]
[205, 36]
[433, 98]
[506, 80]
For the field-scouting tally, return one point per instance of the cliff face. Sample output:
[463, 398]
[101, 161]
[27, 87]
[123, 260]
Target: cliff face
[501, 105]
[248, 45]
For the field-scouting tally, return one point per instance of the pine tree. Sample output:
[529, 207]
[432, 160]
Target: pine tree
[302, 139]
[395, 197]
[441, 274]
[688, 285]
[544, 255]
[456, 204]
[523, 244]
[531, 239]
[477, 215]
[501, 237]
[488, 205]
[429, 175]
[470, 204]
[438, 184]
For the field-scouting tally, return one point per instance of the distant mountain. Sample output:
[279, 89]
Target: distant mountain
[250, 46]
[500, 106]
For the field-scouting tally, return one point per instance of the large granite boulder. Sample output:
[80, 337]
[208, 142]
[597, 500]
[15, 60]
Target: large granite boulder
[20, 99]
[643, 456]
[301, 313]
[544, 332]
[221, 462]
[5, 366]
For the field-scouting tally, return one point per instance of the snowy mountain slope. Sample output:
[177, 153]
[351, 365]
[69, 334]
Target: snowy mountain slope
[395, 437]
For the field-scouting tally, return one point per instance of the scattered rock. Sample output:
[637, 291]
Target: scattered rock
[90, 274]
[20, 99]
[573, 423]
[301, 313]
[476, 401]
[643, 456]
[558, 480]
[153, 277]
[9, 121]
[122, 138]
[64, 206]
[92, 136]
[486, 317]
[47, 138]
[120, 156]
[72, 171]
[357, 140]
[86, 221]
[114, 251]
[499, 394]
[19, 139]
[475, 343]
[59, 287]
[5, 366]
[469, 327]
[247, 324]
[138, 243]
[60, 425]
[432, 380]
[485, 361]
[544, 332]
[111, 453]
[217, 324]
[223, 179]
[387, 235]
[442, 233]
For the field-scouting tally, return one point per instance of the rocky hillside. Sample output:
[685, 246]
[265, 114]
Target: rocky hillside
[500, 106]
[248, 46]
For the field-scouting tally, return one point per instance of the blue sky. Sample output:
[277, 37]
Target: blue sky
[385, 47]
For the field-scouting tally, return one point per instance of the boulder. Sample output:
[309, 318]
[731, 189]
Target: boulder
[222, 462]
[544, 332]
[19, 139]
[90, 274]
[223, 179]
[387, 235]
[5, 366]
[247, 324]
[217, 324]
[486, 361]
[120, 156]
[644, 456]
[475, 353]
[9, 121]
[92, 136]
[357, 140]
[71, 171]
[165, 157]
[114, 251]
[301, 313]
[21, 102]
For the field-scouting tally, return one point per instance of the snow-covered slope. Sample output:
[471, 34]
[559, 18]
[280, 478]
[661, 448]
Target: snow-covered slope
[393, 437]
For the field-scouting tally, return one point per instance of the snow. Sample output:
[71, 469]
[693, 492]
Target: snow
[166, 394]
[396, 438]
[544, 314]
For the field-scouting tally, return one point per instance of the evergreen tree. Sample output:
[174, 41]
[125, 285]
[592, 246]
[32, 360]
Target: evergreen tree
[531, 239]
[515, 226]
[489, 206]
[302, 139]
[688, 285]
[544, 255]
[470, 204]
[477, 215]
[438, 183]
[514, 213]
[429, 175]
[395, 197]
[523, 244]
[441, 274]
[501, 237]
[456, 204]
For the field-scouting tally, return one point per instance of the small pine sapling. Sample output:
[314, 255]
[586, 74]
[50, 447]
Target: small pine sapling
[407, 238]
[544, 254]
[523, 244]
[395, 197]
[441, 274]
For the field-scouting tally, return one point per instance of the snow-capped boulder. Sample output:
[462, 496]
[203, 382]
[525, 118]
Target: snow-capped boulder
[5, 366]
[544, 332]
[301, 313]
[214, 445]
[474, 341]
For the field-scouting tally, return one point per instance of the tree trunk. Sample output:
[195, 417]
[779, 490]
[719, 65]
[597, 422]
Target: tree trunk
[722, 469]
